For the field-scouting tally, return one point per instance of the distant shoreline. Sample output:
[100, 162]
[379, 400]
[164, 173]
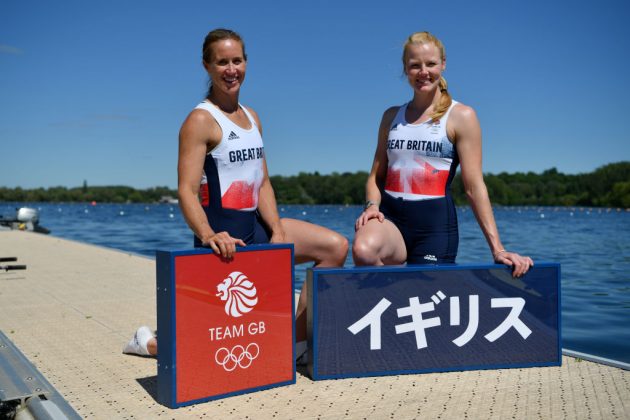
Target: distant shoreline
[607, 186]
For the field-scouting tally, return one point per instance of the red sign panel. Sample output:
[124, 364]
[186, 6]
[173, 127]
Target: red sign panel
[233, 323]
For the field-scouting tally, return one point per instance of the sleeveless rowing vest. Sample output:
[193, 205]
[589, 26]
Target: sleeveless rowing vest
[421, 160]
[233, 170]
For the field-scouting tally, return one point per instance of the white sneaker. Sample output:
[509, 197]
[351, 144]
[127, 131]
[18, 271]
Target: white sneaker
[138, 344]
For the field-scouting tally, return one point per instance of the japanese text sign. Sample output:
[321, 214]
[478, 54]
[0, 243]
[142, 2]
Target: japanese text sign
[224, 327]
[372, 321]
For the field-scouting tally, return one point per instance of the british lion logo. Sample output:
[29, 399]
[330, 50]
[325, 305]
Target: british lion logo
[239, 293]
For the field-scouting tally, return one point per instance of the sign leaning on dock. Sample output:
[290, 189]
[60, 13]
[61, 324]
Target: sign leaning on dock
[225, 327]
[412, 319]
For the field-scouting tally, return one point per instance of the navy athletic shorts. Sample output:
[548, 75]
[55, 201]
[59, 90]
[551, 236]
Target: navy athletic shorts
[428, 227]
[245, 225]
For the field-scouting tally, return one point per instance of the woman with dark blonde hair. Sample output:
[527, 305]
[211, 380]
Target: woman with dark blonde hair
[409, 214]
[225, 193]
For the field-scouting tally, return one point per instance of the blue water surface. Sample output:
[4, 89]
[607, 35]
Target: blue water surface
[593, 246]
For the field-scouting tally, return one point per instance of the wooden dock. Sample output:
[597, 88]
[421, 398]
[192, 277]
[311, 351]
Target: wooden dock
[76, 305]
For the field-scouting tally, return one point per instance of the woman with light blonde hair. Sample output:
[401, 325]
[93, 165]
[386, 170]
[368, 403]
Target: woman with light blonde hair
[409, 215]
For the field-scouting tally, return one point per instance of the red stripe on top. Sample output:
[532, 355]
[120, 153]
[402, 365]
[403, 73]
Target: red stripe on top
[424, 181]
[240, 195]
[204, 195]
[429, 181]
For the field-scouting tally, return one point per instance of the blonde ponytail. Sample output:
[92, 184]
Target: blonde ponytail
[445, 101]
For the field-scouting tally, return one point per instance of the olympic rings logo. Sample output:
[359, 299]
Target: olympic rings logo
[238, 356]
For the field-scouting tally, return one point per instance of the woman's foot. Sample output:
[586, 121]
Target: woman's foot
[139, 344]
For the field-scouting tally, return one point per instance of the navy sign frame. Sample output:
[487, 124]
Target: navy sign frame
[374, 321]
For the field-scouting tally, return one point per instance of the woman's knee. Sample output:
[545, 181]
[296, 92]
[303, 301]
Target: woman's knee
[340, 245]
[365, 250]
[333, 251]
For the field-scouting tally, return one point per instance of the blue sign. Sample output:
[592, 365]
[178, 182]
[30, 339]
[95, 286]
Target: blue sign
[372, 321]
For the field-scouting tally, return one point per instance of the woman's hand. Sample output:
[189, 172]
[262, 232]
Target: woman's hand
[223, 244]
[371, 212]
[520, 265]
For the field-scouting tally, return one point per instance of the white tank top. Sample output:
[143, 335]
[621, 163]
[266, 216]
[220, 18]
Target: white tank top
[421, 159]
[237, 162]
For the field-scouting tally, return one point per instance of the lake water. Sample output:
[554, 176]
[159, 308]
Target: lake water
[593, 246]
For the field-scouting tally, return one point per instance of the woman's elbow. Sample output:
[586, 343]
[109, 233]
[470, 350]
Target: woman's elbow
[469, 191]
[181, 192]
[185, 193]
[474, 190]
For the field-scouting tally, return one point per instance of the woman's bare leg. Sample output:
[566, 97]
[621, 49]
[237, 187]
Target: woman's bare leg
[326, 248]
[378, 243]
[323, 246]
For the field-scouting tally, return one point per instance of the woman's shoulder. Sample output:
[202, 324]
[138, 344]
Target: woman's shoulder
[199, 121]
[253, 113]
[462, 121]
[392, 110]
[390, 113]
[199, 116]
[250, 110]
[247, 107]
[462, 111]
[386, 121]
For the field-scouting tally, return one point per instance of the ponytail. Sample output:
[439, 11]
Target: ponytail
[445, 101]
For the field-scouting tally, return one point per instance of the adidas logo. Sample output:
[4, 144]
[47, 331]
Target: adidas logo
[233, 136]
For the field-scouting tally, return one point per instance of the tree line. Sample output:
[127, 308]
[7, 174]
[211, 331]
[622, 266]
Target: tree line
[101, 194]
[607, 186]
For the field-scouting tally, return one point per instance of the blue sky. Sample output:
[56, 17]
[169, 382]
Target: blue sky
[97, 91]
